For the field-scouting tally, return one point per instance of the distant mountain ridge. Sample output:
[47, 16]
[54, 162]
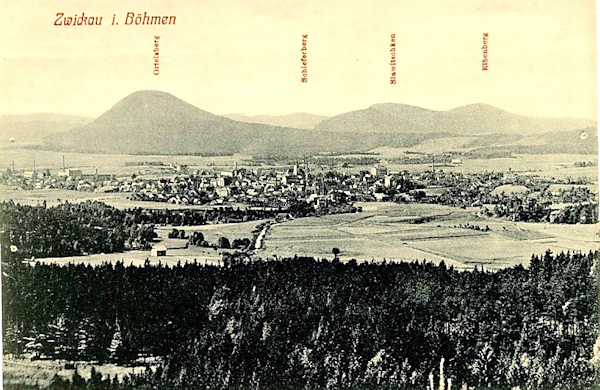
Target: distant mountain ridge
[298, 120]
[473, 119]
[155, 122]
[32, 128]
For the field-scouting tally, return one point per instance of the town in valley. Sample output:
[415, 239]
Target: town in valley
[191, 240]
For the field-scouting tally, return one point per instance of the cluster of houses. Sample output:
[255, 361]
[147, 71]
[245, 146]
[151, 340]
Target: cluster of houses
[274, 187]
[70, 179]
[281, 187]
[240, 185]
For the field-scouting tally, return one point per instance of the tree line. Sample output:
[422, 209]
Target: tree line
[71, 229]
[188, 217]
[197, 239]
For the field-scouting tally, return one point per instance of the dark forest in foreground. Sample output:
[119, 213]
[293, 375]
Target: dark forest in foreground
[305, 323]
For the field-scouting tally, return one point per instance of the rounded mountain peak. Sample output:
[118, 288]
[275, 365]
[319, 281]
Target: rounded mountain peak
[480, 108]
[153, 104]
[148, 94]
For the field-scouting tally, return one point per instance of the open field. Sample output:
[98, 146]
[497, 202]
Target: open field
[40, 372]
[138, 258]
[106, 163]
[388, 231]
[547, 165]
[560, 166]
[383, 231]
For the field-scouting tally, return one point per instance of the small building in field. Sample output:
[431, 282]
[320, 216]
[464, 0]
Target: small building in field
[158, 250]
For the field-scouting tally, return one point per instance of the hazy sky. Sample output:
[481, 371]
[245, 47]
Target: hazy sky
[245, 56]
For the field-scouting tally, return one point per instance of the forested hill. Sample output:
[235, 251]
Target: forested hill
[155, 122]
[302, 323]
[470, 120]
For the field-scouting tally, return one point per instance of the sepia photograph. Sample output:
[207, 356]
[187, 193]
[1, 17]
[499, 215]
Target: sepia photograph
[287, 194]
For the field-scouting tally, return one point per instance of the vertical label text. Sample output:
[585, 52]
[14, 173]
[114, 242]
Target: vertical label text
[304, 67]
[393, 59]
[484, 63]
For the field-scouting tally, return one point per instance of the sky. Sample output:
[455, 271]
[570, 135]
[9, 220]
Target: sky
[245, 56]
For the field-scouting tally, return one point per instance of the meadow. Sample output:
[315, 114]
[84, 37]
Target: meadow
[106, 163]
[390, 231]
[381, 232]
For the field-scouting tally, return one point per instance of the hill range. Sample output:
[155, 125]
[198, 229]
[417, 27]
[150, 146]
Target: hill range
[470, 120]
[31, 129]
[154, 122]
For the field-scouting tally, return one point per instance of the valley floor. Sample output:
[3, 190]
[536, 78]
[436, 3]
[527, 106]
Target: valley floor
[382, 231]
